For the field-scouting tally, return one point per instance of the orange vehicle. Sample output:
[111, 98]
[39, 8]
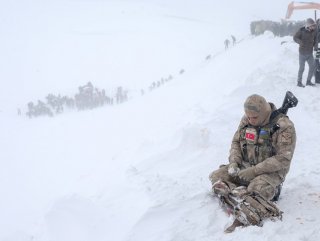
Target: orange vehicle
[301, 5]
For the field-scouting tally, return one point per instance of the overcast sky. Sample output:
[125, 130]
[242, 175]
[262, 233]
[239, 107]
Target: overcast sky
[38, 36]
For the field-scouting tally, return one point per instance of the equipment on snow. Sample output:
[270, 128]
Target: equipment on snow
[248, 208]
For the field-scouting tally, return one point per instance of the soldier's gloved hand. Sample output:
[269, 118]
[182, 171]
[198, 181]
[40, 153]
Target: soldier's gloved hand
[247, 174]
[233, 169]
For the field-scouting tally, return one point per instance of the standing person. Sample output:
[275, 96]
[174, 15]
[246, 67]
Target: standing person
[233, 40]
[305, 37]
[317, 63]
[226, 44]
[259, 160]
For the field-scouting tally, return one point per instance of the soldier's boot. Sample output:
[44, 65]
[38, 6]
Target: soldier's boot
[309, 83]
[236, 223]
[300, 84]
[220, 188]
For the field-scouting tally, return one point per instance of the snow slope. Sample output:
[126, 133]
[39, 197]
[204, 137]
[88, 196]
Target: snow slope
[139, 171]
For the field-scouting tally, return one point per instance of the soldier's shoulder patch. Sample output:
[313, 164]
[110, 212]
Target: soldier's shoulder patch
[286, 138]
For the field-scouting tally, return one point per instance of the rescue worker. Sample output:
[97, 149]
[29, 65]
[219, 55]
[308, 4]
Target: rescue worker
[260, 155]
[226, 44]
[306, 37]
[233, 40]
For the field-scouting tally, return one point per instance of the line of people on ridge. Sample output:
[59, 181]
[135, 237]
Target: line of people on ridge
[307, 37]
[88, 97]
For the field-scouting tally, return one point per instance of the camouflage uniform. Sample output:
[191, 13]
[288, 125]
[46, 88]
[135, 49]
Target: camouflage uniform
[260, 157]
[269, 155]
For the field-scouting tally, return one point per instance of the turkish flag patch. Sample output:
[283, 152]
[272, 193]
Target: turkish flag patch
[250, 136]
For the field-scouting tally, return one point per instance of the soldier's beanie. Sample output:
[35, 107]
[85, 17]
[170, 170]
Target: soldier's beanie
[256, 104]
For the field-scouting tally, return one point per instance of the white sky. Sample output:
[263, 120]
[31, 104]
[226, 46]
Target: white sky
[44, 43]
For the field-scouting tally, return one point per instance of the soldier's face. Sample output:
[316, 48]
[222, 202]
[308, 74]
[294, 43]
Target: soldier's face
[253, 119]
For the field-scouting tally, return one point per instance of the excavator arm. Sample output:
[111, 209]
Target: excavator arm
[301, 5]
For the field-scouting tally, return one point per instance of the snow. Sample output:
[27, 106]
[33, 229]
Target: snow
[139, 171]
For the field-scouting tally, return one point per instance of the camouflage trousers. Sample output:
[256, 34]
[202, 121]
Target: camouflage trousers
[265, 185]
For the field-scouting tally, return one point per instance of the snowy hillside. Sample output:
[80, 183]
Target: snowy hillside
[139, 171]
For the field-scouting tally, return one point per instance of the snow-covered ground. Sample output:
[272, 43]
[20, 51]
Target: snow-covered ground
[139, 171]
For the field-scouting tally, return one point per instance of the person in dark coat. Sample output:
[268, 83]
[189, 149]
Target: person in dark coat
[305, 37]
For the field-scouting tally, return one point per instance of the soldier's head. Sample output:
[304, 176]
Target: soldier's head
[257, 110]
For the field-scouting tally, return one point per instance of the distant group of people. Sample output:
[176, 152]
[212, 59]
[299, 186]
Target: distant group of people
[88, 97]
[227, 42]
[307, 39]
[157, 84]
[279, 29]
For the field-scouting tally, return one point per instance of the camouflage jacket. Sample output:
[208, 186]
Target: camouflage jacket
[282, 143]
[306, 40]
